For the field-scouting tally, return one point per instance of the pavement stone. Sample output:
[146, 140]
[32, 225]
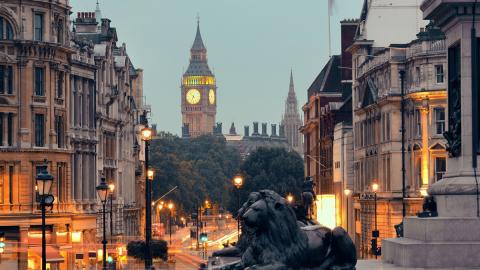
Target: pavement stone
[379, 265]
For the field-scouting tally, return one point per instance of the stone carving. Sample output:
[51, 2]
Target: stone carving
[308, 196]
[273, 240]
[454, 133]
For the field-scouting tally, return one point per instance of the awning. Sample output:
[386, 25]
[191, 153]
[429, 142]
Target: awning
[53, 254]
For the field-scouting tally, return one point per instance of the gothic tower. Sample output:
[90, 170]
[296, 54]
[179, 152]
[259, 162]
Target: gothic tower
[199, 91]
[291, 120]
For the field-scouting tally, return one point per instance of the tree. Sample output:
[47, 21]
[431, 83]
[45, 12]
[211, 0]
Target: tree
[271, 168]
[137, 249]
[201, 168]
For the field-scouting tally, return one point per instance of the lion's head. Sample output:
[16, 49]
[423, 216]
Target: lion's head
[276, 235]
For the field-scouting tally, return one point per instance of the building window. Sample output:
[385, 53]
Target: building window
[440, 120]
[59, 129]
[9, 129]
[418, 123]
[60, 80]
[38, 27]
[6, 79]
[6, 29]
[61, 185]
[439, 73]
[39, 81]
[418, 172]
[39, 129]
[60, 31]
[440, 167]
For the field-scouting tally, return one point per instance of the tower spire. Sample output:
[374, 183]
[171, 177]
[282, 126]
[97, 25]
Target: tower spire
[291, 88]
[98, 15]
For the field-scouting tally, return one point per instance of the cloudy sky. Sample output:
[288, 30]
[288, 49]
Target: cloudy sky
[252, 45]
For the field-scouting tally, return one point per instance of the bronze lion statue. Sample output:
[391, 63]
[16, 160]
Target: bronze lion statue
[272, 239]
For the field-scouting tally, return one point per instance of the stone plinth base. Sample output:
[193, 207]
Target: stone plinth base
[435, 243]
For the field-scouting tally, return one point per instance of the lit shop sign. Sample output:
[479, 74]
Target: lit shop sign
[326, 213]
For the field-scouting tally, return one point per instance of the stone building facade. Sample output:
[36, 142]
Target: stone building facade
[377, 122]
[118, 108]
[249, 142]
[56, 104]
[34, 121]
[291, 120]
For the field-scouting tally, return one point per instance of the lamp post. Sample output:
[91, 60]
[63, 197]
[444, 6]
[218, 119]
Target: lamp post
[102, 191]
[347, 193]
[376, 233]
[146, 137]
[238, 182]
[111, 188]
[170, 207]
[44, 182]
[160, 207]
[402, 109]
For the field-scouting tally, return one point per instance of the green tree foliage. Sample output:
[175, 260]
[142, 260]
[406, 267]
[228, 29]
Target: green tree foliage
[271, 168]
[159, 249]
[202, 168]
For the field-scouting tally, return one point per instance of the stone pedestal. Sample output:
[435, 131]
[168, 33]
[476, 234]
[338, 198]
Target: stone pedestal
[451, 240]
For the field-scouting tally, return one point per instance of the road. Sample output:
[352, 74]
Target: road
[184, 257]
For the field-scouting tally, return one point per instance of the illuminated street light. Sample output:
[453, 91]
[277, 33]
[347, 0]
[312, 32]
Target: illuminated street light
[111, 187]
[238, 183]
[150, 174]
[347, 193]
[44, 182]
[102, 191]
[290, 198]
[375, 233]
[146, 135]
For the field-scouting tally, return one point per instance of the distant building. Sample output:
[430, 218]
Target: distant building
[291, 120]
[248, 143]
[329, 103]
[199, 91]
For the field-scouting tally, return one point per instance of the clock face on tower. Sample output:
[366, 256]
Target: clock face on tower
[211, 96]
[193, 96]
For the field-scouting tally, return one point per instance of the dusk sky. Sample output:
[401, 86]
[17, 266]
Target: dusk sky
[252, 45]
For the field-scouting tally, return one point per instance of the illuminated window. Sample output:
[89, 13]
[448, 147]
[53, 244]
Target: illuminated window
[440, 120]
[439, 73]
[440, 167]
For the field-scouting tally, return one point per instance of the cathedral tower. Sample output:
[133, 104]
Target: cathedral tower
[199, 91]
[291, 120]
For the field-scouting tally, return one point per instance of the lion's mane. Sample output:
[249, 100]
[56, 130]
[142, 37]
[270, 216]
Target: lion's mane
[280, 239]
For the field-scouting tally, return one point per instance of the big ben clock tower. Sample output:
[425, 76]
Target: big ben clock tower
[199, 91]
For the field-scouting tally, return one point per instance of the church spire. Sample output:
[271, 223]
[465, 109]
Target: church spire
[292, 97]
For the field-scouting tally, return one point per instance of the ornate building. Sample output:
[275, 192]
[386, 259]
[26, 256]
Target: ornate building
[199, 91]
[34, 125]
[118, 106]
[376, 64]
[291, 120]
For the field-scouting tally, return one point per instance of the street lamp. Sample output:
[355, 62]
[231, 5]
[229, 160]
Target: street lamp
[347, 193]
[160, 207]
[102, 191]
[290, 198]
[375, 233]
[146, 135]
[44, 182]
[111, 188]
[238, 183]
[170, 207]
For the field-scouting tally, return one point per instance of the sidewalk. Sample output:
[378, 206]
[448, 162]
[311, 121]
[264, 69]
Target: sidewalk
[379, 265]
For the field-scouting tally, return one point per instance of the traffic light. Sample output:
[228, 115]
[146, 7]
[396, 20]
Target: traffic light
[2, 242]
[203, 237]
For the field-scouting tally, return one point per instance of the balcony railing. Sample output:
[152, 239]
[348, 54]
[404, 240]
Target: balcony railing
[426, 47]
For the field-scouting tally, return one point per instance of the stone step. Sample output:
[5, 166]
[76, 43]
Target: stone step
[442, 229]
[405, 252]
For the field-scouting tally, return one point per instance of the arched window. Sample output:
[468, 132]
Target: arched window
[6, 29]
